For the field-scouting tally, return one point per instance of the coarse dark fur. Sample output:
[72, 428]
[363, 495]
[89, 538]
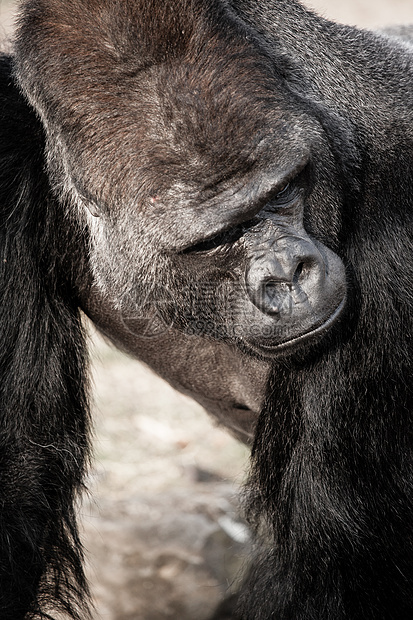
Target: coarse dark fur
[241, 167]
[44, 443]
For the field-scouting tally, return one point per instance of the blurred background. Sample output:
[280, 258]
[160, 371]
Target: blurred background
[365, 13]
[161, 530]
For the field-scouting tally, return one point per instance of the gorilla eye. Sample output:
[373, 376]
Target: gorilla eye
[284, 190]
[224, 238]
[286, 193]
[282, 197]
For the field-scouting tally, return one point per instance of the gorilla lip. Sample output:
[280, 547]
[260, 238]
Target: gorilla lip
[313, 332]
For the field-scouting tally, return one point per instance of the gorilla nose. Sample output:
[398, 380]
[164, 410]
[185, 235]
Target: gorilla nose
[276, 282]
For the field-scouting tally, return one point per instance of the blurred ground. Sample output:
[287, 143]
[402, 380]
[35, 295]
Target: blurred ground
[161, 528]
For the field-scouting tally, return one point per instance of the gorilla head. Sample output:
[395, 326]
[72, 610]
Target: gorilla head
[195, 167]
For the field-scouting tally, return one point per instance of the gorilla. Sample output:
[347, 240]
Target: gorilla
[225, 187]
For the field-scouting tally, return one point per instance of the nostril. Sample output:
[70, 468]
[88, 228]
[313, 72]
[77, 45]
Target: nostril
[298, 272]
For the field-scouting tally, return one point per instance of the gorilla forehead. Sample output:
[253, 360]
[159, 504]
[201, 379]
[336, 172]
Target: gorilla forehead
[209, 109]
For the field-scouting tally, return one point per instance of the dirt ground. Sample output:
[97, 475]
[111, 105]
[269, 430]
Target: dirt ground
[164, 477]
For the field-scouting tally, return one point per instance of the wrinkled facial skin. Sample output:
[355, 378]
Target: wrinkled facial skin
[263, 284]
[284, 288]
[222, 249]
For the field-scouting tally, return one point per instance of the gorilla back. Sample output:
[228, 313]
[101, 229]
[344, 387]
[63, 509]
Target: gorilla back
[219, 186]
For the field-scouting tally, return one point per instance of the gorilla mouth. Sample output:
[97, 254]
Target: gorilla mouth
[291, 343]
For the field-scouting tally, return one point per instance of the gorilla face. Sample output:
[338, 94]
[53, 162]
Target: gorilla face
[209, 192]
[233, 262]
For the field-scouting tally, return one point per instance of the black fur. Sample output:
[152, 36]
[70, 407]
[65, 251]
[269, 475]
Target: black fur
[44, 442]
